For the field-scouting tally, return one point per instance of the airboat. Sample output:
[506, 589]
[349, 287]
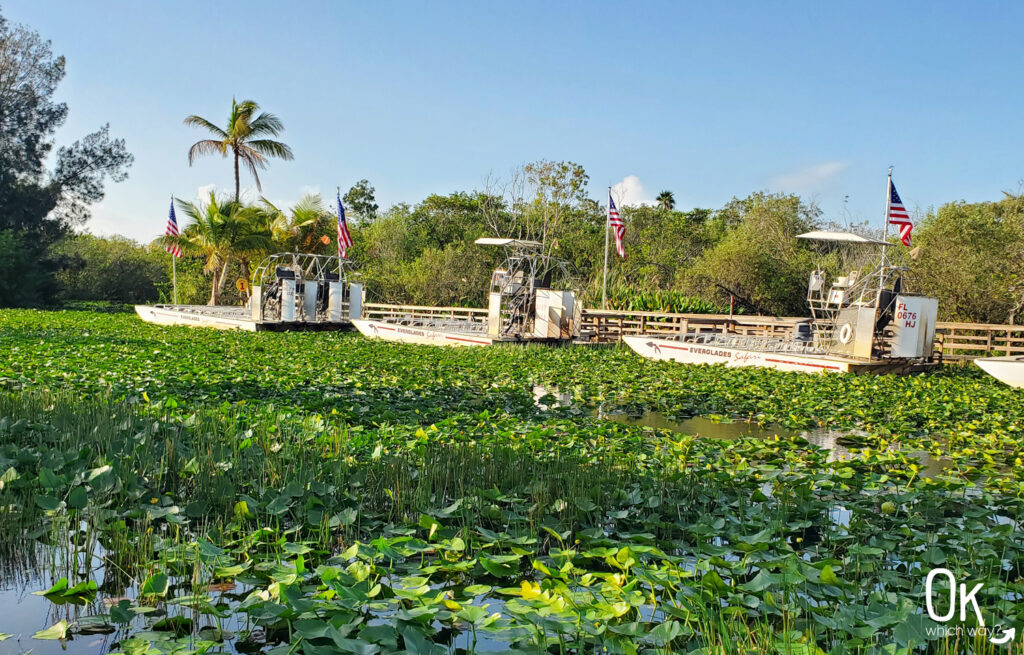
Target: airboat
[860, 323]
[1009, 370]
[289, 291]
[530, 300]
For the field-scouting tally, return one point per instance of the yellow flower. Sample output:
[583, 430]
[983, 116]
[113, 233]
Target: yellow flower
[530, 589]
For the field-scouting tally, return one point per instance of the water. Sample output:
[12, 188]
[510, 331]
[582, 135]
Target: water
[36, 567]
[547, 398]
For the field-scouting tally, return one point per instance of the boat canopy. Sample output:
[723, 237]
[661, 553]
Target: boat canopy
[841, 237]
[515, 243]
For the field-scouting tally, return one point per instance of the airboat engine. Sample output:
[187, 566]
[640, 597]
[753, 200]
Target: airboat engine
[304, 288]
[525, 301]
[914, 325]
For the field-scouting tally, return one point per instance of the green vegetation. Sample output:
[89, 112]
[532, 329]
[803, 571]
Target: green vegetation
[43, 193]
[114, 269]
[321, 493]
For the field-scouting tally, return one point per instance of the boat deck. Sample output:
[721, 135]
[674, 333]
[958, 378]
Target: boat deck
[226, 317]
[767, 352]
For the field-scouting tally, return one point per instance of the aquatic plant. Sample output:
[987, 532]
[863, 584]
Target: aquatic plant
[186, 490]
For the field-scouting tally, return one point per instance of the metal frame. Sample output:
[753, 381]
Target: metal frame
[524, 266]
[857, 289]
[305, 266]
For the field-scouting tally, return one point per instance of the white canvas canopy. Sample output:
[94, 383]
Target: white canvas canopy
[840, 237]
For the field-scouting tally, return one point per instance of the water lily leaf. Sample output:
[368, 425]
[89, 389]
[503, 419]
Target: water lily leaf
[241, 510]
[155, 585]
[497, 569]
[59, 587]
[49, 503]
[179, 625]
[49, 480]
[344, 518]
[58, 630]
[121, 612]
[8, 476]
[663, 634]
[135, 646]
[828, 576]
[78, 498]
[915, 630]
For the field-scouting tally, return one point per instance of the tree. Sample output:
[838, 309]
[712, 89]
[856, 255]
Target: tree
[300, 229]
[114, 269]
[360, 201]
[758, 255]
[666, 200]
[972, 260]
[219, 232]
[241, 138]
[38, 206]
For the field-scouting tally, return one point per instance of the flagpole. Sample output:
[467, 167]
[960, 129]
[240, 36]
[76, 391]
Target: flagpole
[888, 207]
[885, 233]
[174, 267]
[338, 188]
[607, 228]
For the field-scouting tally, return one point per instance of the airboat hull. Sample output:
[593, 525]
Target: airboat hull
[221, 318]
[694, 353]
[390, 331]
[1009, 370]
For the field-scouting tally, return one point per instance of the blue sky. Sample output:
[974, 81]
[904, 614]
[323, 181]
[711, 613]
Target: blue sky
[709, 100]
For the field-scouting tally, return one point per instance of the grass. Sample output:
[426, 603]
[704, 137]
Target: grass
[323, 493]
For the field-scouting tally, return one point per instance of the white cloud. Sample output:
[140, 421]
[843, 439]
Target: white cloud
[203, 193]
[809, 179]
[630, 192]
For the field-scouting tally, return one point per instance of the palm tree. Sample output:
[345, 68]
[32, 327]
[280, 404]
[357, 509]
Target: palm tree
[666, 200]
[220, 231]
[304, 228]
[241, 137]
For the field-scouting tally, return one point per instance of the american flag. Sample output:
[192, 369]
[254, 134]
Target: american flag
[344, 238]
[898, 215]
[615, 221]
[172, 231]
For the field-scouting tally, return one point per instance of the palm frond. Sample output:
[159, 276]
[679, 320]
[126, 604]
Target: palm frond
[206, 147]
[271, 148]
[199, 121]
[252, 161]
[266, 123]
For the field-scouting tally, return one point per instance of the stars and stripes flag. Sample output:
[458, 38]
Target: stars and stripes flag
[344, 238]
[618, 227]
[898, 215]
[172, 231]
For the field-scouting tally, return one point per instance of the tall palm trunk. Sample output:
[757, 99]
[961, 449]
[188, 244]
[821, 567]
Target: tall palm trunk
[214, 287]
[237, 188]
[223, 275]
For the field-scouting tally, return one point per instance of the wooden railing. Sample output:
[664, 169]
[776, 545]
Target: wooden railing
[953, 341]
[611, 325]
[965, 341]
[381, 311]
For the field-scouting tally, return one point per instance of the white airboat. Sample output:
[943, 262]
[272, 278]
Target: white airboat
[859, 323]
[1009, 369]
[289, 291]
[530, 301]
